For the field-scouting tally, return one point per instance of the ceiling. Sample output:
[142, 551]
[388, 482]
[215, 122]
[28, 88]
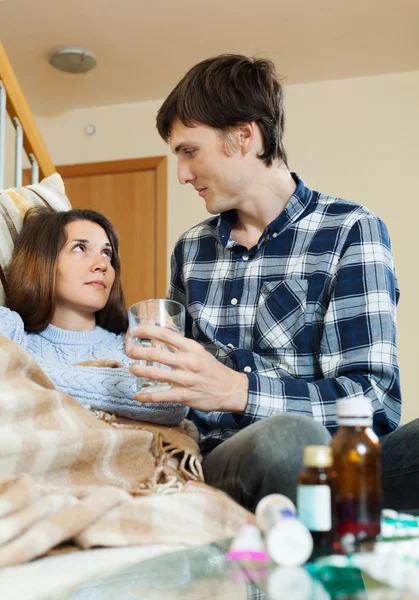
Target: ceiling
[144, 48]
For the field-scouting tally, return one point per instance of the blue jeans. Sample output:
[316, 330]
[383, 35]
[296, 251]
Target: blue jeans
[267, 457]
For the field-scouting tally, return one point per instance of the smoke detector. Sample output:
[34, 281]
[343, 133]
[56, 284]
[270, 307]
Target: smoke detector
[73, 60]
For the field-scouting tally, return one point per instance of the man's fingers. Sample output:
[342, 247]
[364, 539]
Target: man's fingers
[154, 373]
[176, 360]
[164, 335]
[128, 343]
[173, 377]
[171, 395]
[157, 355]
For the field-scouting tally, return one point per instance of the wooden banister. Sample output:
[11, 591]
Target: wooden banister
[18, 107]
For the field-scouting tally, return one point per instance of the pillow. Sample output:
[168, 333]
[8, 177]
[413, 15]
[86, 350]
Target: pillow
[14, 203]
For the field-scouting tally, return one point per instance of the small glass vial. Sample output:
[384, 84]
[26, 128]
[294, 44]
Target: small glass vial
[357, 473]
[315, 495]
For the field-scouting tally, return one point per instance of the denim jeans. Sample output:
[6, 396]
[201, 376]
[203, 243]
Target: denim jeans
[401, 467]
[267, 457]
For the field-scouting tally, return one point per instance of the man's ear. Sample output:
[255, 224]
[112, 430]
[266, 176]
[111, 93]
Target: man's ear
[246, 135]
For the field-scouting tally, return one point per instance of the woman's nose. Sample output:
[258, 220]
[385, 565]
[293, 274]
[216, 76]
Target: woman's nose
[100, 263]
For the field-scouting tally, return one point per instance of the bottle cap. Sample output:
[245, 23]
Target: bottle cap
[283, 502]
[318, 456]
[272, 509]
[248, 546]
[355, 410]
[289, 543]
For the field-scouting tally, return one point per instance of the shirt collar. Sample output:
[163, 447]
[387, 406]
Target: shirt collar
[295, 208]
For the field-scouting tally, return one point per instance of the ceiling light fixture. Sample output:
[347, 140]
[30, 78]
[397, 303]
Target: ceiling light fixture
[73, 60]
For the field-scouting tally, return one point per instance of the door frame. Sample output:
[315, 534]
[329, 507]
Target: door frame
[159, 165]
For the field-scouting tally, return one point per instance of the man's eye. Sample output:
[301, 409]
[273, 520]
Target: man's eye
[190, 152]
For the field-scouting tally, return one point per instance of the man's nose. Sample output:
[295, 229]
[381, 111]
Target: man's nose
[184, 173]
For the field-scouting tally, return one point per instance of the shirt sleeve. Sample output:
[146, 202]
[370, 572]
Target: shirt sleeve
[12, 327]
[357, 349]
[111, 390]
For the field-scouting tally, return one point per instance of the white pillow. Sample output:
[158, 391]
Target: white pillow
[14, 203]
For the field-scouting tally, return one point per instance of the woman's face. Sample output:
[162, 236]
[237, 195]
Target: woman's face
[85, 275]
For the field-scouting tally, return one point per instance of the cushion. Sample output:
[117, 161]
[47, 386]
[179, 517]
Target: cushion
[14, 203]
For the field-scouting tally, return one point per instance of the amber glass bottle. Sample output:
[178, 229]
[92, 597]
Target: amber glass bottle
[357, 472]
[315, 495]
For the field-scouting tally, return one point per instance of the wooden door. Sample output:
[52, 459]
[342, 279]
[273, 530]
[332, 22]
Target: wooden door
[132, 195]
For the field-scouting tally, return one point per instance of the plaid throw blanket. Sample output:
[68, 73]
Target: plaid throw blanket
[69, 475]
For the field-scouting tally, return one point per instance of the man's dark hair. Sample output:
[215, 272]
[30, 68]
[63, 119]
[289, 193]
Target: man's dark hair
[31, 275]
[226, 90]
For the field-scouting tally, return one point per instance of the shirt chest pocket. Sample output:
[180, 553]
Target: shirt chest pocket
[280, 315]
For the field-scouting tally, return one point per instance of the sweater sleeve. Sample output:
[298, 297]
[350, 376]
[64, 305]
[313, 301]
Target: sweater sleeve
[11, 326]
[111, 390]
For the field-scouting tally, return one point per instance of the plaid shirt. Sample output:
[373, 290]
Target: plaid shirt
[308, 313]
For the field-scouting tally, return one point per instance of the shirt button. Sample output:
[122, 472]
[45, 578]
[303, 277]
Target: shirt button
[230, 346]
[234, 301]
[245, 257]
[247, 369]
[274, 235]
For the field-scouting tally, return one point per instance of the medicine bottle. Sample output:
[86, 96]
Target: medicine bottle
[315, 497]
[356, 472]
[287, 540]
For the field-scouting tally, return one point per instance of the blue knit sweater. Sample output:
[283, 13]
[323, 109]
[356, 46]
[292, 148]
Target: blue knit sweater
[58, 350]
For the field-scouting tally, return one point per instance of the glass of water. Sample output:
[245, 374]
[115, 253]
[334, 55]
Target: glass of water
[163, 313]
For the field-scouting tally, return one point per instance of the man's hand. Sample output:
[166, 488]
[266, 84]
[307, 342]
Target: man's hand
[197, 379]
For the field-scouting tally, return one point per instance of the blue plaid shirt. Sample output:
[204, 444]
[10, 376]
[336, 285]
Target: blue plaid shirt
[308, 313]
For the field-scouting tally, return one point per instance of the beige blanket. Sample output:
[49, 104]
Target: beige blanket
[69, 475]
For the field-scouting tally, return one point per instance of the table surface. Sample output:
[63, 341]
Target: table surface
[204, 573]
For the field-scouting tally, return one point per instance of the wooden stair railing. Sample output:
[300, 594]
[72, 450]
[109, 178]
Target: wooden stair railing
[18, 107]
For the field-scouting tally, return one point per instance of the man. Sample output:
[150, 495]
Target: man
[290, 294]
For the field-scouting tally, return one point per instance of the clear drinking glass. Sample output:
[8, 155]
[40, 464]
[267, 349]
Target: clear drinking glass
[163, 313]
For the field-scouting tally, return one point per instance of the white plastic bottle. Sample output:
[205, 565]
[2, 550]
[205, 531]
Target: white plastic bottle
[288, 541]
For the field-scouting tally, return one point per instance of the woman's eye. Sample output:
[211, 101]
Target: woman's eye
[107, 253]
[79, 248]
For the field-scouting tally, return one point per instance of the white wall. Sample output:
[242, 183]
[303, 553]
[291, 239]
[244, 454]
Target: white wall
[358, 139]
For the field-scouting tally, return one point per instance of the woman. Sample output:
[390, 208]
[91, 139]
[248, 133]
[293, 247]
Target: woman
[65, 306]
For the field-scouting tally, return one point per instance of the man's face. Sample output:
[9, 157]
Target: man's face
[219, 177]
